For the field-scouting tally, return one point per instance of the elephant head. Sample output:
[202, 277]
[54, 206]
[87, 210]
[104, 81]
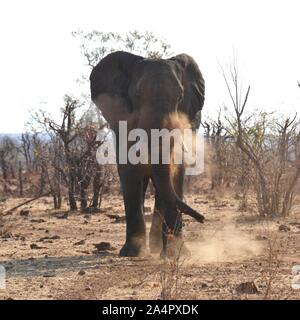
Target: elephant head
[145, 92]
[123, 82]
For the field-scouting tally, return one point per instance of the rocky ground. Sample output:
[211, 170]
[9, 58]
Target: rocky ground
[52, 254]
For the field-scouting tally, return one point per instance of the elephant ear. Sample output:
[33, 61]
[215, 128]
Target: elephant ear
[194, 87]
[109, 82]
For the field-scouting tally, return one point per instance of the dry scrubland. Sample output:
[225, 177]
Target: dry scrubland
[51, 254]
[245, 249]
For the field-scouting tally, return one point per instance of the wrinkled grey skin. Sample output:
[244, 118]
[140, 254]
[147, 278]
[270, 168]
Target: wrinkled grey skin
[145, 92]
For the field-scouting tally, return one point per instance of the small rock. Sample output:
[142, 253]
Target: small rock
[81, 272]
[112, 216]
[37, 220]
[247, 288]
[35, 246]
[79, 243]
[24, 213]
[55, 237]
[41, 286]
[87, 288]
[204, 285]
[284, 228]
[103, 246]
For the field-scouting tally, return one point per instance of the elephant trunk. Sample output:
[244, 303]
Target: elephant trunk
[184, 208]
[163, 173]
[163, 183]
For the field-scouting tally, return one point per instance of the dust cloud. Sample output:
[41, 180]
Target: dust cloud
[225, 245]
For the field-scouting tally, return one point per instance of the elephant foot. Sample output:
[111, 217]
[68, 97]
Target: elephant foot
[175, 249]
[133, 250]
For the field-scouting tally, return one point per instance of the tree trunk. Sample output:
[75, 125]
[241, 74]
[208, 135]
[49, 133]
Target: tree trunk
[59, 199]
[96, 189]
[83, 192]
[20, 179]
[55, 202]
[71, 192]
[42, 180]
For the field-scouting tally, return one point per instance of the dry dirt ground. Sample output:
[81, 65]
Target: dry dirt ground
[52, 254]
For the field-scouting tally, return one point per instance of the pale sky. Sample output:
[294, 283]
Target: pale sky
[40, 60]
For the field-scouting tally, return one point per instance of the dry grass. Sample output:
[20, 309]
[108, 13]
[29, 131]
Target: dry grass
[170, 277]
[273, 263]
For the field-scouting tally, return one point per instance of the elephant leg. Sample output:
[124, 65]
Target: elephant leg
[178, 183]
[171, 230]
[132, 187]
[155, 235]
[165, 182]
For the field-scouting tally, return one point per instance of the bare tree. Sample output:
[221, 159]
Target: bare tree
[26, 149]
[217, 138]
[97, 44]
[267, 146]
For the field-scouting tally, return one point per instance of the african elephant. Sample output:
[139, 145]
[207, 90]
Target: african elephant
[145, 92]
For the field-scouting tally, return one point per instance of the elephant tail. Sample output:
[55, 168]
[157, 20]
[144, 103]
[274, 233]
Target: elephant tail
[184, 208]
